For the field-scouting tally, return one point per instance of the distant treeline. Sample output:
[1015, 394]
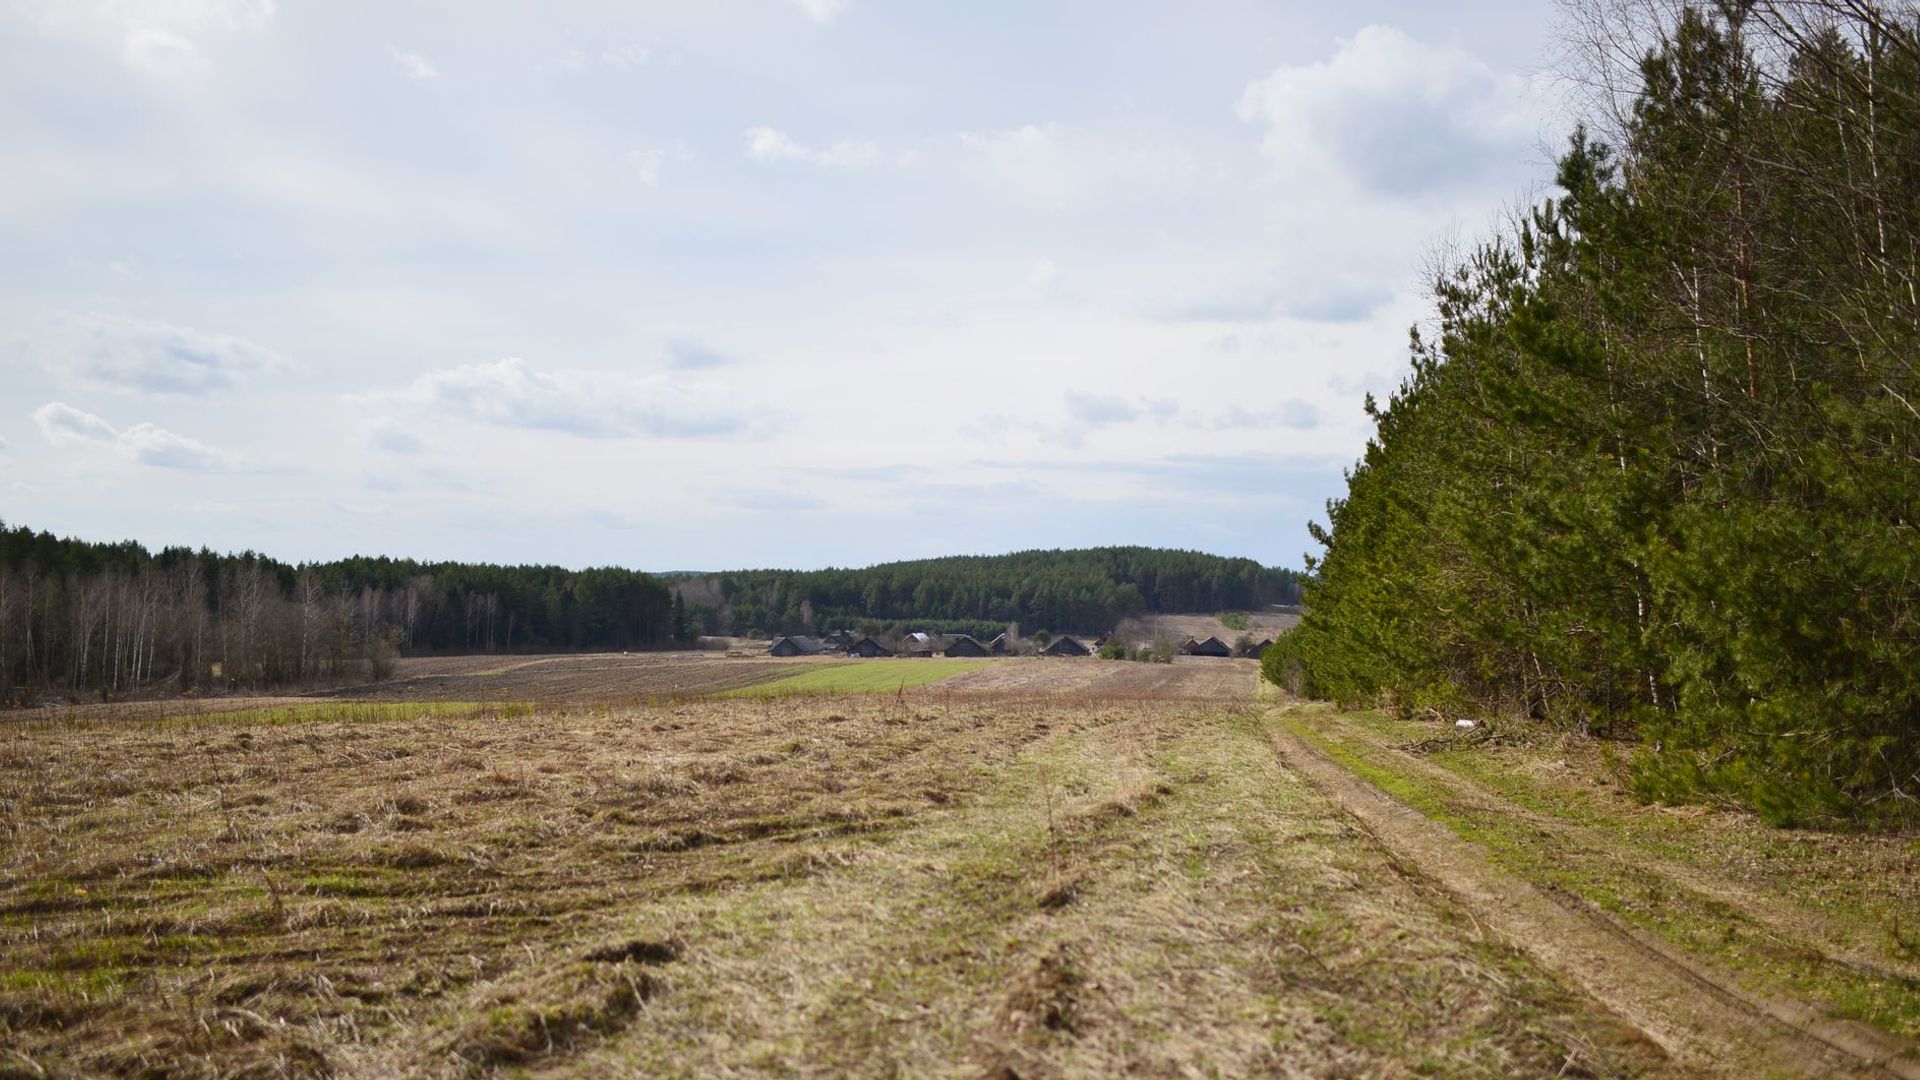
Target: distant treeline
[80, 617]
[117, 619]
[1080, 590]
[1657, 473]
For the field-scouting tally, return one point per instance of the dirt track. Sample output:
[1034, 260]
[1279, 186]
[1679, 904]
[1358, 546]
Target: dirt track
[1697, 1013]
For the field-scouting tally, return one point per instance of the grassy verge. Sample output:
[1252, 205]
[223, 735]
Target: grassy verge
[1831, 931]
[869, 677]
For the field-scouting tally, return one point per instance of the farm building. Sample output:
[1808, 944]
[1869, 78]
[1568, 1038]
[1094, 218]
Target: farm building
[795, 646]
[963, 645]
[1000, 646]
[1186, 647]
[1261, 649]
[1064, 646]
[869, 648]
[1213, 646]
[839, 640]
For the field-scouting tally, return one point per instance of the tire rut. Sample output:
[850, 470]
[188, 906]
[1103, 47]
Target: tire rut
[1780, 921]
[1686, 1006]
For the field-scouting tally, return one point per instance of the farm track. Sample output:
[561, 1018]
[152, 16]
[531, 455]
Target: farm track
[1698, 1013]
[1806, 927]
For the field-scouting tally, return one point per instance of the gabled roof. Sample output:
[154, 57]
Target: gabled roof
[867, 644]
[1213, 646]
[1065, 645]
[965, 645]
[800, 644]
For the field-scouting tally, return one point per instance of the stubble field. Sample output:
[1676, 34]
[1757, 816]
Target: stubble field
[1032, 868]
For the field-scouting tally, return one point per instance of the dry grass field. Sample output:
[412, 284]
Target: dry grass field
[1033, 868]
[602, 677]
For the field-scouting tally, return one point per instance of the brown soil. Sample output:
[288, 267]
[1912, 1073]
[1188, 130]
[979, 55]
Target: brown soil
[602, 677]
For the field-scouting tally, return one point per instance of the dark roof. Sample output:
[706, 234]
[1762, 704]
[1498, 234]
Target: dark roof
[965, 645]
[1213, 646]
[795, 645]
[869, 647]
[1065, 646]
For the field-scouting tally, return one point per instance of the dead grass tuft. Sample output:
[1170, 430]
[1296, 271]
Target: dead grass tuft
[1046, 994]
[639, 951]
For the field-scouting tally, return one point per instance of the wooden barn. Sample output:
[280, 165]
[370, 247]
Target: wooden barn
[1065, 646]
[795, 646]
[839, 640]
[963, 645]
[1261, 649]
[1186, 647]
[868, 648]
[1213, 646]
[1000, 646]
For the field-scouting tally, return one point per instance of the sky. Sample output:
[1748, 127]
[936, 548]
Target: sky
[730, 283]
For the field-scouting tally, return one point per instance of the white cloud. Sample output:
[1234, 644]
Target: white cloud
[107, 351]
[162, 52]
[161, 37]
[416, 65]
[152, 445]
[64, 425]
[769, 144]
[1292, 413]
[1097, 410]
[688, 354]
[848, 155]
[646, 164]
[822, 11]
[1396, 115]
[766, 144]
[1059, 168]
[393, 437]
[4, 444]
[512, 394]
[68, 427]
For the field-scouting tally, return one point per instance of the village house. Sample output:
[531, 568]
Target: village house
[1213, 646]
[963, 645]
[868, 648]
[796, 646]
[1065, 646]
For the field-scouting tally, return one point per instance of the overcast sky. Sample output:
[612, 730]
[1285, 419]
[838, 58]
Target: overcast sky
[720, 283]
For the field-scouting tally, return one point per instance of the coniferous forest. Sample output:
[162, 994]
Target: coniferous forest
[1086, 589]
[1656, 470]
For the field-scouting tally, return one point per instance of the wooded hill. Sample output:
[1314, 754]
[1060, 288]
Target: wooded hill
[1656, 470]
[1079, 590]
[79, 617]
